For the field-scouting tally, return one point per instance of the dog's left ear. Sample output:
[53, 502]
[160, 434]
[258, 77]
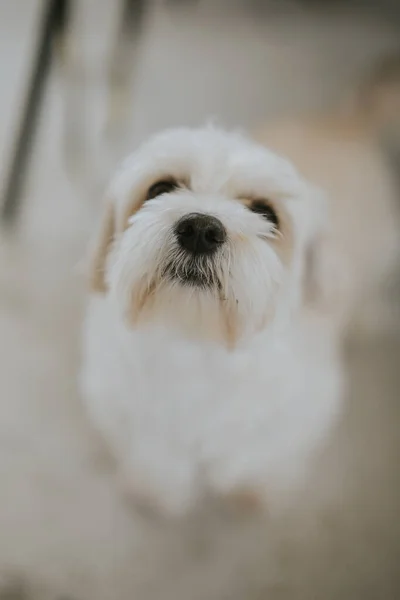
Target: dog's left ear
[323, 273]
[314, 213]
[100, 249]
[316, 276]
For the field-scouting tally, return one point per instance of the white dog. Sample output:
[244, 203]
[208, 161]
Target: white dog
[203, 369]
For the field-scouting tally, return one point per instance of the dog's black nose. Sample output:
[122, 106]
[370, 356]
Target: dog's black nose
[200, 234]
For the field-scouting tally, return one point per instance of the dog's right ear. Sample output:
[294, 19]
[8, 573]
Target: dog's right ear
[100, 249]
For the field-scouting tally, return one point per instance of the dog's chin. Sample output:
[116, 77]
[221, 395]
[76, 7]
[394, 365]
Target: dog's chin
[193, 305]
[189, 302]
[194, 274]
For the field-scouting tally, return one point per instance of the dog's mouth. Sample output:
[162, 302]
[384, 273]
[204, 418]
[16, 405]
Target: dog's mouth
[198, 251]
[198, 272]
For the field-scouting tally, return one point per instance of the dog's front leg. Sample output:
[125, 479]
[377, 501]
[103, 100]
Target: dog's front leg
[162, 487]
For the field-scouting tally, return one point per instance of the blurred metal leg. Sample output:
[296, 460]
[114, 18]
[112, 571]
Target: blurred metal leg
[123, 64]
[86, 164]
[72, 63]
[54, 21]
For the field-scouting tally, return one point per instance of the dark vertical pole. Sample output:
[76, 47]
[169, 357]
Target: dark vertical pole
[54, 23]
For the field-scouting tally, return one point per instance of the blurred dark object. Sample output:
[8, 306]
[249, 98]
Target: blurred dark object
[53, 24]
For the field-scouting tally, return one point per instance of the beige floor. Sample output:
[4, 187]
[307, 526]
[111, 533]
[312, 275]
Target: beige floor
[239, 70]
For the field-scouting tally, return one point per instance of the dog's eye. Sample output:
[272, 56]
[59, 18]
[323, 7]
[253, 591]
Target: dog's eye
[161, 187]
[265, 210]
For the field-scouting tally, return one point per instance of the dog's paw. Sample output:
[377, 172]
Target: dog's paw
[242, 503]
[156, 501]
[141, 498]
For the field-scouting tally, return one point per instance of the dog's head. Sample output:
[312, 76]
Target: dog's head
[206, 231]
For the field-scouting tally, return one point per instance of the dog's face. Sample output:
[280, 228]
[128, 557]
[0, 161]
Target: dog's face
[206, 231]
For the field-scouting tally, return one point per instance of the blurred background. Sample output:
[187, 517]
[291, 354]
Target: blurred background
[82, 83]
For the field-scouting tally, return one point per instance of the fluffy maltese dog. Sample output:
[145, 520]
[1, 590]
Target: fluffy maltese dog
[203, 369]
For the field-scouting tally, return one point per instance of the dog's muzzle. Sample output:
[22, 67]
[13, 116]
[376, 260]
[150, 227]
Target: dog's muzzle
[199, 237]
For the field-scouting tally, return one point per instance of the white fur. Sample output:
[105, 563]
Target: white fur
[186, 410]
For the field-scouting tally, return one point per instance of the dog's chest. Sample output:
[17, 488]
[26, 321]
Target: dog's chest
[172, 409]
[190, 392]
[153, 385]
